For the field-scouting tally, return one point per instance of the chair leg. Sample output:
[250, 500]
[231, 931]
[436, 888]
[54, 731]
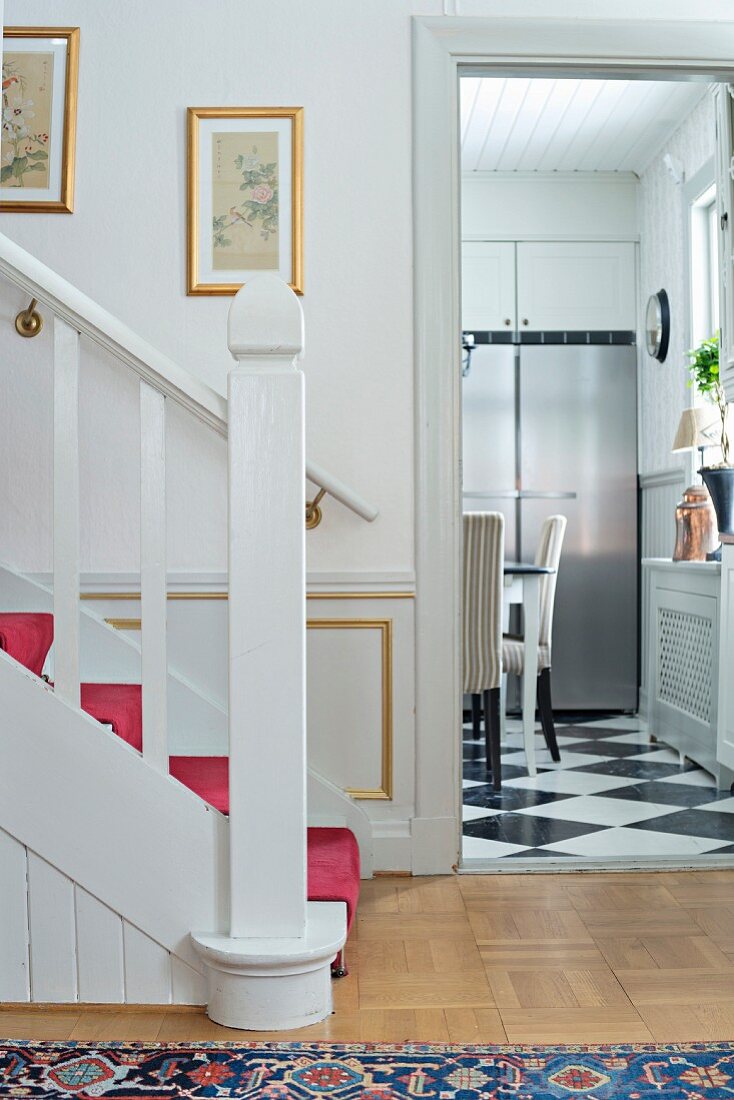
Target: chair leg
[545, 706]
[476, 716]
[503, 709]
[492, 735]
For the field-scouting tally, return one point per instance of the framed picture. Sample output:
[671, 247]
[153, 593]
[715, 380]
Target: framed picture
[39, 89]
[245, 202]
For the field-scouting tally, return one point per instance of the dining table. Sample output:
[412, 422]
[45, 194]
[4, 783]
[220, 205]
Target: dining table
[522, 586]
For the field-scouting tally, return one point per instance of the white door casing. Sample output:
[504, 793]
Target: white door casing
[440, 47]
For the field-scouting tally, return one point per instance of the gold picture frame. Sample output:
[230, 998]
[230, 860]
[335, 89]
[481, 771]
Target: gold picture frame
[40, 85]
[260, 176]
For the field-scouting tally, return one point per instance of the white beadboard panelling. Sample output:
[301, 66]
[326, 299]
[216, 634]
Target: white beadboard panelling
[99, 951]
[14, 969]
[558, 125]
[663, 386]
[147, 968]
[80, 949]
[187, 985]
[52, 933]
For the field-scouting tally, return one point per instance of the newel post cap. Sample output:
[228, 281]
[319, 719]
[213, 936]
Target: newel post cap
[265, 318]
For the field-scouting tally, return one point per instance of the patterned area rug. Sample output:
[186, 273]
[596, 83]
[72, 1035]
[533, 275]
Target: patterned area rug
[308, 1071]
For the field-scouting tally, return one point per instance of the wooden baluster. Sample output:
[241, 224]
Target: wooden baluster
[66, 512]
[153, 575]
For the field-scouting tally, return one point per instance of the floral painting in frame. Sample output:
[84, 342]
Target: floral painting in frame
[37, 140]
[245, 201]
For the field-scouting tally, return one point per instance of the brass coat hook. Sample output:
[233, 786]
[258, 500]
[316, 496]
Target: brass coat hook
[313, 512]
[29, 322]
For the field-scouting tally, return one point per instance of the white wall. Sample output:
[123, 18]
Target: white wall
[549, 205]
[663, 386]
[141, 65]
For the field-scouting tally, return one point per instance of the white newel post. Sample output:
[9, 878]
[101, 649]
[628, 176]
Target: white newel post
[272, 971]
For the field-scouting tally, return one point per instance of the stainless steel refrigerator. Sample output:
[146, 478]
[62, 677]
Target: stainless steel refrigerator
[553, 428]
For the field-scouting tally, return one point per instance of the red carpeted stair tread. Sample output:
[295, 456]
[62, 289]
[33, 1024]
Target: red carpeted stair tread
[207, 776]
[119, 706]
[26, 636]
[333, 854]
[333, 868]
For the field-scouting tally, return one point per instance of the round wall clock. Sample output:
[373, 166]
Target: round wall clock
[657, 325]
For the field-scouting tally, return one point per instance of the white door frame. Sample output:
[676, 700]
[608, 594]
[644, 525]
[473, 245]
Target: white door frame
[673, 50]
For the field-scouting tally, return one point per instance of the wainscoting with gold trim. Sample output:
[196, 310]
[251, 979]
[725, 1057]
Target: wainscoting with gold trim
[361, 693]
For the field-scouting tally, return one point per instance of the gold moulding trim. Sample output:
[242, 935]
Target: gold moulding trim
[224, 596]
[385, 626]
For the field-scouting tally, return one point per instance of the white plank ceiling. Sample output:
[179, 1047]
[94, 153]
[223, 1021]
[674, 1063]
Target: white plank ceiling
[563, 125]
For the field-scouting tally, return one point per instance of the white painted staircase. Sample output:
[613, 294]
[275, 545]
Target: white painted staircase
[120, 884]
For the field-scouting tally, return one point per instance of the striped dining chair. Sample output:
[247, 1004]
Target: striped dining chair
[484, 553]
[513, 649]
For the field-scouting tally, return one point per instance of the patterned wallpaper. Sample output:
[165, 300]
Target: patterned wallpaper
[663, 389]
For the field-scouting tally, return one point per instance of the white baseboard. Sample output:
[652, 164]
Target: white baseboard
[435, 844]
[392, 845]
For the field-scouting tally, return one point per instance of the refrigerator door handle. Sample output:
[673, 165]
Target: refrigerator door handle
[517, 494]
[535, 494]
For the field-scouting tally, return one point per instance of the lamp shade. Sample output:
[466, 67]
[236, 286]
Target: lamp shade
[698, 427]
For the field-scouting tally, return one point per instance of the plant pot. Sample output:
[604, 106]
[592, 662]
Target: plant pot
[720, 483]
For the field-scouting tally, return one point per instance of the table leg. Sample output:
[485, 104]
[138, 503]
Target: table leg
[531, 630]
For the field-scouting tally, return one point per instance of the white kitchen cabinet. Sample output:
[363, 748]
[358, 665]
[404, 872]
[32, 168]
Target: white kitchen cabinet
[576, 286]
[488, 286]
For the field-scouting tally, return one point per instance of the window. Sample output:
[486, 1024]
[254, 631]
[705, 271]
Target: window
[704, 266]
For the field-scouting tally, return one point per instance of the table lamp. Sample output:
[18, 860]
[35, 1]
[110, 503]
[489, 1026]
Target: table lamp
[696, 533]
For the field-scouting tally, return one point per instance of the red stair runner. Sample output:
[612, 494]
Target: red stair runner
[207, 776]
[119, 706]
[333, 854]
[27, 637]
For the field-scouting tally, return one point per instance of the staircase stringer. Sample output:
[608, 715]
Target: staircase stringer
[85, 802]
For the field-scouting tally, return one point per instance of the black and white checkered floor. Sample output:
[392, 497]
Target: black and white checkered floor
[614, 795]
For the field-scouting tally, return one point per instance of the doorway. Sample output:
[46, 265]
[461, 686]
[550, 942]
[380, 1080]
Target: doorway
[600, 50]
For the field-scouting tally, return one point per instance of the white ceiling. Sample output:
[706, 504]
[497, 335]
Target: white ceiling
[539, 125]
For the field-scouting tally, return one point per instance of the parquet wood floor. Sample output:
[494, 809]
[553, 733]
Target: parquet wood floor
[491, 959]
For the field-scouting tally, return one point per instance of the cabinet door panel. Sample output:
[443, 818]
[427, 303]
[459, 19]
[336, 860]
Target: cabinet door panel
[488, 285]
[576, 285]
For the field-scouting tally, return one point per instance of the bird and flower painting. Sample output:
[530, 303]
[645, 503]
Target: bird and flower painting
[245, 197]
[37, 131]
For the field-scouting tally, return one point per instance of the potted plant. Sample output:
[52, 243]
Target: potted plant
[718, 479]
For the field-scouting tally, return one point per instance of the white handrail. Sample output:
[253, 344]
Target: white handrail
[91, 319]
